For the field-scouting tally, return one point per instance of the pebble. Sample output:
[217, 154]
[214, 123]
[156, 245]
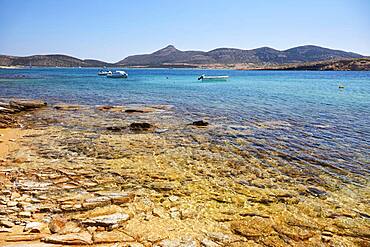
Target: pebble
[25, 214]
[209, 243]
[6, 223]
[34, 227]
[173, 198]
[175, 213]
[160, 212]
[5, 229]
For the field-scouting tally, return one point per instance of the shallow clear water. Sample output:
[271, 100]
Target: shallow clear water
[298, 117]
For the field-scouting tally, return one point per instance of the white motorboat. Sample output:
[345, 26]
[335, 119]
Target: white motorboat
[213, 78]
[117, 74]
[104, 72]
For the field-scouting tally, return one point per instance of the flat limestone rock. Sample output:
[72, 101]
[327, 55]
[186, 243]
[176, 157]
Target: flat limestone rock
[96, 202]
[118, 197]
[4, 229]
[6, 223]
[178, 243]
[28, 185]
[82, 238]
[31, 245]
[107, 220]
[6, 110]
[24, 237]
[111, 237]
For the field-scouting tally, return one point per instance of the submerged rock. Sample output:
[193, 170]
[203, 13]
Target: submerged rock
[294, 232]
[316, 192]
[140, 126]
[115, 128]
[200, 123]
[253, 227]
[134, 111]
[65, 107]
[27, 104]
[110, 108]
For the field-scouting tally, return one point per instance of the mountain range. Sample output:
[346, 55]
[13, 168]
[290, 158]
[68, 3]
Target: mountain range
[218, 58]
[260, 56]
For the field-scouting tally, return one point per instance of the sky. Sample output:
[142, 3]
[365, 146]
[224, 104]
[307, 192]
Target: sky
[110, 30]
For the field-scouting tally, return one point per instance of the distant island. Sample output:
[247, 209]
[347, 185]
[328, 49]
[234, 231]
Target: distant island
[307, 57]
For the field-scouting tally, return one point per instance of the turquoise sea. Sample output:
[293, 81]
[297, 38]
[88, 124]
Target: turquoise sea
[297, 115]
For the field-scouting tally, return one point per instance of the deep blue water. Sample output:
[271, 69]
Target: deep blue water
[330, 124]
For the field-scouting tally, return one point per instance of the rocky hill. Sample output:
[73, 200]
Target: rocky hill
[49, 61]
[261, 56]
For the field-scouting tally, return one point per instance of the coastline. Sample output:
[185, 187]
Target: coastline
[13, 67]
[138, 175]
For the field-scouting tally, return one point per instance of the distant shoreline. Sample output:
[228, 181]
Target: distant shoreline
[356, 64]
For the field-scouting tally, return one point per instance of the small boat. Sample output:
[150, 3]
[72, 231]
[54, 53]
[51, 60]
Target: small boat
[341, 86]
[213, 78]
[104, 72]
[117, 74]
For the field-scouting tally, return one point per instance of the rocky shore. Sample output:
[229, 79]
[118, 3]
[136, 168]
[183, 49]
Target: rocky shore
[138, 175]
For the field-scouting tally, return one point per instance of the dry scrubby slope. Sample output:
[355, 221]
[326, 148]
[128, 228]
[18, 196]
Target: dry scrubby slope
[347, 64]
[49, 61]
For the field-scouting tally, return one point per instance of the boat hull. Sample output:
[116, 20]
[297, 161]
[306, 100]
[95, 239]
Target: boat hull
[214, 78]
[116, 76]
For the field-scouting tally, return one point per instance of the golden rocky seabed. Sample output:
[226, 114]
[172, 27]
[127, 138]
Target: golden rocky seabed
[86, 176]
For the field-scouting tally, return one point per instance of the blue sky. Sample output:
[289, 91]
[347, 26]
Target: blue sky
[112, 30]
